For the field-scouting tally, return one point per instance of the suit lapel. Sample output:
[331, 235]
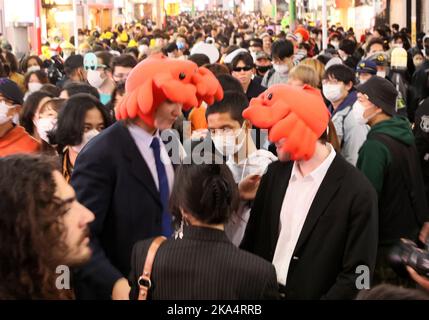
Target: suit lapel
[327, 190]
[280, 187]
[138, 166]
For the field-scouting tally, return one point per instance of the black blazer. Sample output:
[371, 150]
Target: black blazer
[204, 265]
[112, 179]
[254, 89]
[339, 233]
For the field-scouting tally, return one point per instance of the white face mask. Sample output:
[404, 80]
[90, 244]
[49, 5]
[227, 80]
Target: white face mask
[43, 126]
[397, 45]
[358, 111]
[333, 92]
[281, 68]
[226, 144]
[34, 86]
[4, 109]
[381, 74]
[94, 78]
[87, 136]
[33, 68]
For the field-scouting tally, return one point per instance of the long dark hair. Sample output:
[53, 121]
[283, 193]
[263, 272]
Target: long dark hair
[31, 229]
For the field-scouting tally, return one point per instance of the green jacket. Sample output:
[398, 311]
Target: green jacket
[374, 156]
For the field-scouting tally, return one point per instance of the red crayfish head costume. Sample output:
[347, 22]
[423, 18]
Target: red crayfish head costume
[158, 79]
[297, 114]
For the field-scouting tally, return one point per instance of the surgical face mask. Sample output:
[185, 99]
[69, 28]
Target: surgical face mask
[4, 109]
[397, 45]
[87, 136]
[34, 86]
[33, 68]
[358, 111]
[281, 68]
[335, 44]
[333, 92]
[43, 126]
[226, 143]
[381, 74]
[94, 78]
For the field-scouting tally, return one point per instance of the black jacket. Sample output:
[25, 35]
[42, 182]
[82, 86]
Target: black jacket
[112, 179]
[204, 265]
[421, 132]
[339, 233]
[254, 90]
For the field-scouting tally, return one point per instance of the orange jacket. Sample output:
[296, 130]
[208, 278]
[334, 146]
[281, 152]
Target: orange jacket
[18, 140]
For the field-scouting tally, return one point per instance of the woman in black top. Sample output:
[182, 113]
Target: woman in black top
[203, 264]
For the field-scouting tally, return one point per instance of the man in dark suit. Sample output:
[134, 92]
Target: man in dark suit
[315, 217]
[125, 176]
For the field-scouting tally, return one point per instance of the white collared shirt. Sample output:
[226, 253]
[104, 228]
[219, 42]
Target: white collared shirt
[296, 204]
[143, 139]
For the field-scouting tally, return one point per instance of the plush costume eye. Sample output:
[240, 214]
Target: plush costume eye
[270, 96]
[182, 75]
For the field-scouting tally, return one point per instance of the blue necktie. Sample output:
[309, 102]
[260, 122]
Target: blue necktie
[167, 229]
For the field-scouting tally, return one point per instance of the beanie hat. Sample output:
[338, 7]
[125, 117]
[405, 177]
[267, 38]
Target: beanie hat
[297, 114]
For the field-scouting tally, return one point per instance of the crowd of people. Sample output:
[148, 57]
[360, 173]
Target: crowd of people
[271, 167]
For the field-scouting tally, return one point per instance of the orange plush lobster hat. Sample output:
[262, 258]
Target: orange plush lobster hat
[157, 79]
[297, 114]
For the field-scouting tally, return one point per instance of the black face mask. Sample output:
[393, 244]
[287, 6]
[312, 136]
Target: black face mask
[263, 69]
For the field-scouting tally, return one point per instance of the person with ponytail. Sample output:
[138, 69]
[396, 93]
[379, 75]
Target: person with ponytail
[200, 263]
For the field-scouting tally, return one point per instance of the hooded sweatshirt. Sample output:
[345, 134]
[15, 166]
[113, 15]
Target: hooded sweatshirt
[392, 165]
[374, 156]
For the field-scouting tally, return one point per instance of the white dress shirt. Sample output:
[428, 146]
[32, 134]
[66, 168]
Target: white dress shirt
[296, 204]
[143, 139]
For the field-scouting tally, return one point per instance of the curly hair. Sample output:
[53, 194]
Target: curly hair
[32, 234]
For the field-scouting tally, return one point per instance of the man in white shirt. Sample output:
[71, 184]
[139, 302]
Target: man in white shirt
[231, 136]
[314, 218]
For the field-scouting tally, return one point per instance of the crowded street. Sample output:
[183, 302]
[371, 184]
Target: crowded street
[214, 150]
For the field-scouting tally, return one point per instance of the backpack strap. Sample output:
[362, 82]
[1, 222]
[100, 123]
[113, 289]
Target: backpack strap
[144, 281]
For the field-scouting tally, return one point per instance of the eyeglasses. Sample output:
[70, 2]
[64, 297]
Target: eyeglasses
[239, 69]
[100, 66]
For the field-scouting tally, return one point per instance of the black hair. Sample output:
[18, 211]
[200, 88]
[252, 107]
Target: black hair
[71, 120]
[206, 191]
[282, 49]
[106, 58]
[51, 89]
[124, 60]
[233, 102]
[11, 61]
[133, 51]
[199, 58]
[73, 63]
[228, 82]
[404, 38]
[374, 41]
[348, 46]
[255, 42]
[242, 56]
[74, 88]
[172, 46]
[341, 73]
[29, 109]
